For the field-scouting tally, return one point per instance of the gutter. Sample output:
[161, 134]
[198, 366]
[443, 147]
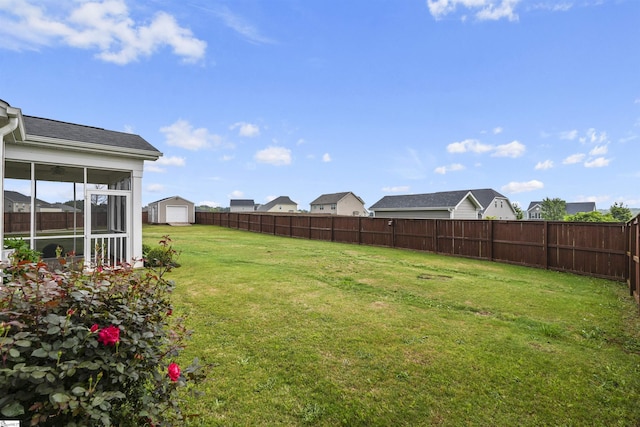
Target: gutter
[14, 116]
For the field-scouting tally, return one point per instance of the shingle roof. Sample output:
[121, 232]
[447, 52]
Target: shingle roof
[571, 208]
[73, 132]
[575, 207]
[443, 199]
[282, 200]
[16, 197]
[485, 196]
[241, 202]
[327, 199]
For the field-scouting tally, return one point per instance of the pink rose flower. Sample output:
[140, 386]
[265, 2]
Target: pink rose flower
[174, 371]
[94, 327]
[109, 335]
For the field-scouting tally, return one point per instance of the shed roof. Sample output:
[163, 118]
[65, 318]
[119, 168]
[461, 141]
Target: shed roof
[439, 200]
[172, 197]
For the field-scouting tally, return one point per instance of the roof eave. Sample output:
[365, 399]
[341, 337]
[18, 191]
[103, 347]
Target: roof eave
[91, 147]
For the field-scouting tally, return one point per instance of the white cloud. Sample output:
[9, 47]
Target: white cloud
[574, 158]
[155, 188]
[569, 134]
[150, 166]
[105, 26]
[497, 130]
[171, 161]
[396, 189]
[181, 134]
[246, 129]
[227, 157]
[326, 158]
[485, 9]
[597, 199]
[599, 162]
[547, 164]
[451, 168]
[209, 203]
[512, 149]
[242, 27]
[277, 156]
[553, 7]
[236, 194]
[521, 187]
[599, 150]
[468, 145]
[594, 137]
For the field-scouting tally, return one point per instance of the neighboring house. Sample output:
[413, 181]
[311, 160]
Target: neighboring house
[100, 164]
[494, 204]
[279, 204]
[242, 205]
[534, 211]
[442, 205]
[345, 203]
[18, 202]
[172, 210]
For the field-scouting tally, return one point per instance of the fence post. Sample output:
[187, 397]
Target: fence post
[490, 246]
[545, 244]
[359, 230]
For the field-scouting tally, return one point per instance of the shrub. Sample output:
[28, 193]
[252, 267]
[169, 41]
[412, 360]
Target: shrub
[90, 348]
[160, 256]
[21, 250]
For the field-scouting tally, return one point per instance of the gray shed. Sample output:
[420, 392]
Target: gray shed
[172, 210]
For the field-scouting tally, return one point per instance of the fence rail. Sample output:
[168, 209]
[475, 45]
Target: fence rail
[604, 250]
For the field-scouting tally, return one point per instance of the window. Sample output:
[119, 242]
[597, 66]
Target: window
[333, 207]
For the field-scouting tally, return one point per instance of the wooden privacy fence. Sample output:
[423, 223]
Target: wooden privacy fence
[20, 222]
[593, 249]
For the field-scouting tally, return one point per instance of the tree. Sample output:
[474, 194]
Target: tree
[554, 209]
[620, 212]
[593, 216]
[519, 212]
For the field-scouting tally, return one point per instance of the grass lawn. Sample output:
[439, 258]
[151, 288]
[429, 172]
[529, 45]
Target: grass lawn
[299, 332]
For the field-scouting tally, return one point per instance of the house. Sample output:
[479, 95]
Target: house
[242, 205]
[534, 211]
[442, 205]
[172, 210]
[279, 204]
[102, 168]
[345, 203]
[494, 204]
[18, 202]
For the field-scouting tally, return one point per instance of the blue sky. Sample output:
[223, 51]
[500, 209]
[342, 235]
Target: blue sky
[259, 99]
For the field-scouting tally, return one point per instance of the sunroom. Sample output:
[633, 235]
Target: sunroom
[94, 174]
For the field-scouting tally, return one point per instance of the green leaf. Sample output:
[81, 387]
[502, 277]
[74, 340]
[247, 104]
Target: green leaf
[97, 401]
[38, 374]
[40, 352]
[78, 390]
[53, 330]
[13, 410]
[59, 398]
[23, 343]
[14, 352]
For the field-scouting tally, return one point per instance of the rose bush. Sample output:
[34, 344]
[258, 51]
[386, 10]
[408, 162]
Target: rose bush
[90, 348]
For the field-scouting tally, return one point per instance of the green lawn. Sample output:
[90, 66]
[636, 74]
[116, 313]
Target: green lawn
[299, 332]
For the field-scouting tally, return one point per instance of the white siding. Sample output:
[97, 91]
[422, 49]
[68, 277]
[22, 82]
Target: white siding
[500, 209]
[466, 210]
[350, 204]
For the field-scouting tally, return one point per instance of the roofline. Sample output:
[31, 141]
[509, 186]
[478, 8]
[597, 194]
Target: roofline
[49, 142]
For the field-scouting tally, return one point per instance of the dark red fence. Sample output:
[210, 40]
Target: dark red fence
[633, 257]
[593, 249]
